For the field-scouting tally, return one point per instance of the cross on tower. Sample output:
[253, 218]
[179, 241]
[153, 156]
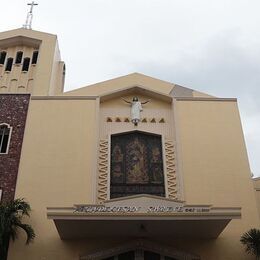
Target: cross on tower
[28, 22]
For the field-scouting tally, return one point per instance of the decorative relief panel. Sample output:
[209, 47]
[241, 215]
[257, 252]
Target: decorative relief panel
[103, 171]
[157, 118]
[117, 120]
[128, 120]
[136, 165]
[170, 163]
[171, 169]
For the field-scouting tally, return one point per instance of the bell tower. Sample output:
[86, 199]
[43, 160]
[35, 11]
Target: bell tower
[30, 62]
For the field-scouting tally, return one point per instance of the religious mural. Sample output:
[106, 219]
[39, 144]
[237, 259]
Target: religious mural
[136, 165]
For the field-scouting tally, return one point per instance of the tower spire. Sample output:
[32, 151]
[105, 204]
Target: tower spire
[28, 22]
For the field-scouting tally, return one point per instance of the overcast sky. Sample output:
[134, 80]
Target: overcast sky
[210, 46]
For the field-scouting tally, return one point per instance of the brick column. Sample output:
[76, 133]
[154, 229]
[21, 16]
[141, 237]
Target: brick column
[13, 111]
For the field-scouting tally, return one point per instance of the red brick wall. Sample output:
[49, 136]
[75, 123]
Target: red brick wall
[13, 111]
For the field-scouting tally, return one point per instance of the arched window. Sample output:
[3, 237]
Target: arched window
[5, 132]
[9, 64]
[19, 56]
[2, 57]
[35, 57]
[139, 254]
[136, 165]
[142, 250]
[26, 64]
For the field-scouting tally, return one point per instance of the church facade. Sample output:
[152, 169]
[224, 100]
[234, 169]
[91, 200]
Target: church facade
[130, 168]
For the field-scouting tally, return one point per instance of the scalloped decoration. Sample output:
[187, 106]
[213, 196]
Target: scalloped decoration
[171, 169]
[102, 171]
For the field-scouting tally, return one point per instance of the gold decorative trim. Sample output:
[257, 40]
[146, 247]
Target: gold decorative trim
[103, 171]
[162, 120]
[171, 170]
[128, 120]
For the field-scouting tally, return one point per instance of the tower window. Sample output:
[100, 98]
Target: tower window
[4, 137]
[19, 56]
[26, 64]
[2, 57]
[9, 64]
[35, 57]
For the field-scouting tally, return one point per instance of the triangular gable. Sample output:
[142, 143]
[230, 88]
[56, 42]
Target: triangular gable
[135, 90]
[142, 200]
[135, 80]
[124, 82]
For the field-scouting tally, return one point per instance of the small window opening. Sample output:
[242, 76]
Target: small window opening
[2, 57]
[26, 64]
[19, 56]
[4, 138]
[9, 64]
[35, 57]
[64, 70]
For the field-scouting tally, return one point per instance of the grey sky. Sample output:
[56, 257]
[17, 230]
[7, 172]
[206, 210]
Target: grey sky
[210, 46]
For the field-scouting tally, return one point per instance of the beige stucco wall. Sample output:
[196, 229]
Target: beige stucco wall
[131, 80]
[59, 165]
[56, 82]
[215, 168]
[154, 109]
